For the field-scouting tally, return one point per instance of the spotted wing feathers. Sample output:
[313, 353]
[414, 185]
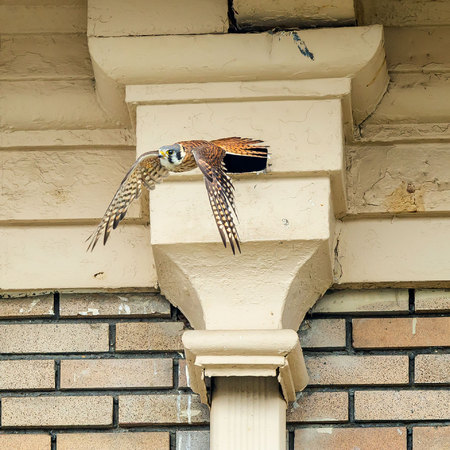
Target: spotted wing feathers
[220, 192]
[146, 171]
[242, 146]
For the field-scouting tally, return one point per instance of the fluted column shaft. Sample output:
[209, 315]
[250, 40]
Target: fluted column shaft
[247, 413]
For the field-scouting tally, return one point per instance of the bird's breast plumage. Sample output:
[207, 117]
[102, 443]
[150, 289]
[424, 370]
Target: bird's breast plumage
[188, 163]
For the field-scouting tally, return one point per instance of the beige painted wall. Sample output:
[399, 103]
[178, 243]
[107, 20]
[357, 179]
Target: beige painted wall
[62, 155]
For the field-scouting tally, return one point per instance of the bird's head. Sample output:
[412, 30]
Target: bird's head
[171, 155]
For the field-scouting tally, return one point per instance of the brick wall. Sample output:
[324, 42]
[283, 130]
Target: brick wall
[106, 371]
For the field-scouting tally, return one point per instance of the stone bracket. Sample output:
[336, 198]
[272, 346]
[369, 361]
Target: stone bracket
[231, 353]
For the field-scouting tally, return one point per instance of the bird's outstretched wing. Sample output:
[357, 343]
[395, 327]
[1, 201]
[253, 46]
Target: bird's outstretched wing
[147, 171]
[209, 159]
[243, 154]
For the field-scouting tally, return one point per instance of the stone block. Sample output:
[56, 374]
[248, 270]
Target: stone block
[431, 438]
[195, 440]
[27, 375]
[116, 373]
[432, 300]
[36, 306]
[61, 411]
[114, 305]
[139, 410]
[330, 438]
[357, 370]
[139, 336]
[25, 441]
[402, 405]
[319, 407]
[54, 338]
[432, 369]
[365, 301]
[322, 333]
[114, 441]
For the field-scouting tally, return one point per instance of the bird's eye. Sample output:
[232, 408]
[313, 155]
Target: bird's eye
[170, 152]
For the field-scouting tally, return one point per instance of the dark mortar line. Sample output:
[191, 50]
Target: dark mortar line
[381, 352]
[92, 392]
[56, 306]
[371, 387]
[150, 354]
[173, 313]
[412, 301]
[393, 424]
[107, 429]
[411, 368]
[177, 354]
[112, 337]
[291, 439]
[394, 315]
[351, 406]
[349, 336]
[52, 440]
[83, 319]
[57, 374]
[175, 373]
[116, 412]
[409, 438]
[172, 440]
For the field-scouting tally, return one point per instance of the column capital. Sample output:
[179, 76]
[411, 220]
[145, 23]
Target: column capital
[256, 353]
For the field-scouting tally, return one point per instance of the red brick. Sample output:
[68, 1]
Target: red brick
[432, 368]
[54, 338]
[402, 405]
[114, 441]
[116, 373]
[25, 442]
[36, 306]
[161, 409]
[319, 407]
[322, 333]
[114, 305]
[401, 332]
[138, 336]
[431, 438]
[25, 374]
[60, 411]
[357, 370]
[331, 438]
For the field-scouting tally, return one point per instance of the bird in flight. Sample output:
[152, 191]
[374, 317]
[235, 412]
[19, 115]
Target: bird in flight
[214, 158]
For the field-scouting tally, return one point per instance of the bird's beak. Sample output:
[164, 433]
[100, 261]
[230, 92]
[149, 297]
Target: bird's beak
[161, 154]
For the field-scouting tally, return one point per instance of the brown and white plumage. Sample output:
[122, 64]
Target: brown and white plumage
[214, 159]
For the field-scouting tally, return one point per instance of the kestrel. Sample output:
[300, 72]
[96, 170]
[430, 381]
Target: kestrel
[214, 158]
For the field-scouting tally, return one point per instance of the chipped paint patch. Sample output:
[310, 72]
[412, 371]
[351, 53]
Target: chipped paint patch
[188, 380]
[325, 430]
[124, 309]
[414, 324]
[90, 312]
